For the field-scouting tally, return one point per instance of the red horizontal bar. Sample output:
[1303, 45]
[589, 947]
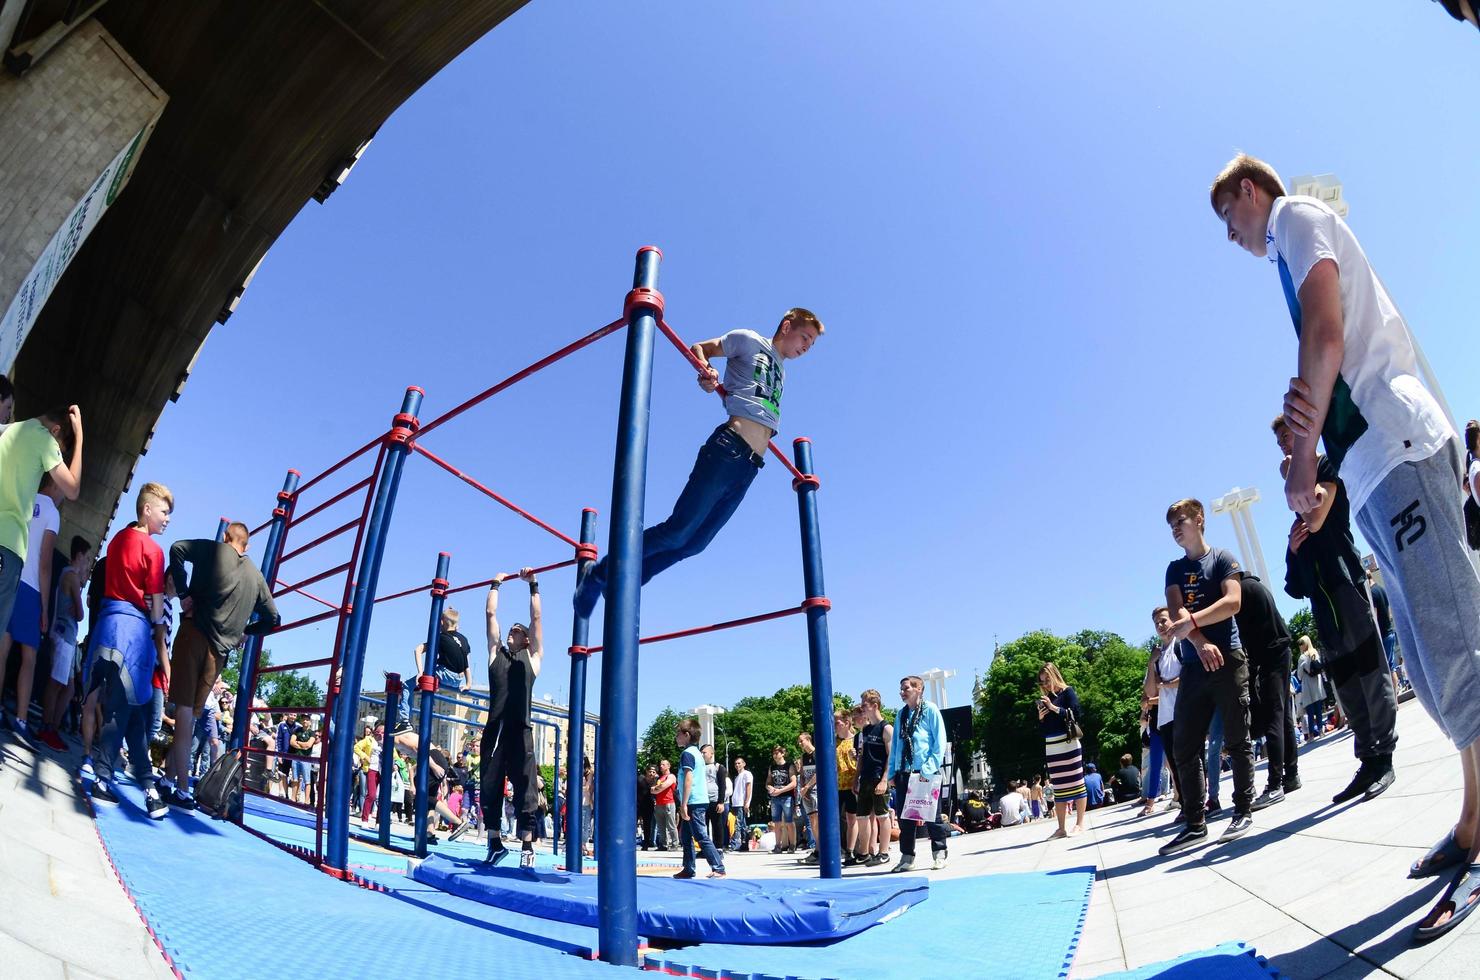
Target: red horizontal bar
[404, 593]
[300, 518]
[700, 366]
[303, 665]
[519, 376]
[503, 500]
[298, 586]
[268, 709]
[307, 622]
[298, 494]
[320, 540]
[511, 576]
[715, 628]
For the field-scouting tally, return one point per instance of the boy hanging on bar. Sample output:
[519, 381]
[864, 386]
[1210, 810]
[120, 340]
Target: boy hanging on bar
[755, 372]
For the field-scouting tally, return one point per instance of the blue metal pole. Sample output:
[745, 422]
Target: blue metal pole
[352, 659]
[555, 795]
[616, 873]
[388, 758]
[428, 684]
[580, 632]
[221, 525]
[829, 855]
[246, 685]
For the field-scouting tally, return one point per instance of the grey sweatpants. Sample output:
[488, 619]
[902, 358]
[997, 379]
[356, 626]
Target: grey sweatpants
[1414, 521]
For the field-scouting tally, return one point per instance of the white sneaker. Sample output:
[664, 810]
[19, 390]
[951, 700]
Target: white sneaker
[906, 863]
[939, 864]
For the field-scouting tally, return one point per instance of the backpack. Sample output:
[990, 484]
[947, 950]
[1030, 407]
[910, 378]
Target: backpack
[219, 792]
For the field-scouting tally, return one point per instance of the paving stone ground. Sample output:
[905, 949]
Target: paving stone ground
[1318, 889]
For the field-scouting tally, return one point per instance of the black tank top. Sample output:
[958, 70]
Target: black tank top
[510, 686]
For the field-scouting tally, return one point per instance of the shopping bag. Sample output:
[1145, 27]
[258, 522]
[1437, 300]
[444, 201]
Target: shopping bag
[921, 798]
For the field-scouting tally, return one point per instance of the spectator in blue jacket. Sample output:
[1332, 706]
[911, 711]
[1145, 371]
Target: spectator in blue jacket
[919, 747]
[1094, 784]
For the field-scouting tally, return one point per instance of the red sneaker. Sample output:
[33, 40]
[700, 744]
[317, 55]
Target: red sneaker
[52, 740]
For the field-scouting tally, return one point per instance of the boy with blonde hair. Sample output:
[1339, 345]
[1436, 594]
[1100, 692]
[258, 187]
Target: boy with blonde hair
[755, 372]
[128, 640]
[1358, 391]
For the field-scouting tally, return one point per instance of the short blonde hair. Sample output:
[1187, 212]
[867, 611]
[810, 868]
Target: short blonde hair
[451, 615]
[155, 492]
[1244, 167]
[800, 316]
[1186, 507]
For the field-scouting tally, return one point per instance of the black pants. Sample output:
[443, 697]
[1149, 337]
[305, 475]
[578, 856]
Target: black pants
[507, 750]
[122, 722]
[907, 828]
[1364, 686]
[719, 825]
[1169, 746]
[648, 830]
[1269, 701]
[1198, 696]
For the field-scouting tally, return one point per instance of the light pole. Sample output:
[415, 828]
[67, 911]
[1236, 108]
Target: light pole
[1236, 504]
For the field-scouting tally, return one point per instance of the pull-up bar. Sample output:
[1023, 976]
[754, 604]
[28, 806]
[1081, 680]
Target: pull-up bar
[816, 603]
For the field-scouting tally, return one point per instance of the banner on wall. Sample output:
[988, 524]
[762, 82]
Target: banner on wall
[37, 286]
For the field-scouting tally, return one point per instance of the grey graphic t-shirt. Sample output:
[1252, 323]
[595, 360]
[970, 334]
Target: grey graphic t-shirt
[754, 374]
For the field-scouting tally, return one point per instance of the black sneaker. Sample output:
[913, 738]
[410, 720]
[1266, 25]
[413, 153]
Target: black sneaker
[1385, 777]
[1189, 838]
[174, 797]
[1364, 778]
[1269, 797]
[812, 859]
[526, 859]
[1237, 827]
[460, 829]
[1213, 808]
[103, 791]
[403, 727]
[1292, 781]
[496, 852]
[155, 805]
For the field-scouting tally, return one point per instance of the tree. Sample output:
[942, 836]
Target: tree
[290, 689]
[660, 740]
[1302, 624]
[1111, 698]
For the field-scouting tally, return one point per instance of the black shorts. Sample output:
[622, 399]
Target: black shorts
[869, 802]
[848, 800]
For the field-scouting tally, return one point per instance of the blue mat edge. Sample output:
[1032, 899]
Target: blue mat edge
[1231, 948]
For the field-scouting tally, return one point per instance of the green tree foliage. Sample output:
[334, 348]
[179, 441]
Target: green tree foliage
[658, 742]
[1302, 624]
[290, 689]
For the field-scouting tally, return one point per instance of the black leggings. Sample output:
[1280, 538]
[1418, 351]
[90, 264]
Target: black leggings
[507, 750]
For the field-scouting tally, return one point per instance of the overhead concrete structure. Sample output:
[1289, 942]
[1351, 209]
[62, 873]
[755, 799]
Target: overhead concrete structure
[268, 104]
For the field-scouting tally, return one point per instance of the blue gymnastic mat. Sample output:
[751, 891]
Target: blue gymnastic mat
[756, 911]
[1229, 961]
[203, 886]
[1005, 925]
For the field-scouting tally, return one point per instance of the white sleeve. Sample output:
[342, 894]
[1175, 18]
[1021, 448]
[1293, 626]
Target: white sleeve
[1474, 476]
[1304, 234]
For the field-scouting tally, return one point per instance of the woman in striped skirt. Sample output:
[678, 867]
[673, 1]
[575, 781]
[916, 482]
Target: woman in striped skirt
[1065, 762]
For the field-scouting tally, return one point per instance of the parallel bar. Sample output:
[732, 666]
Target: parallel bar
[510, 575]
[331, 501]
[519, 376]
[424, 728]
[715, 628]
[296, 586]
[470, 481]
[306, 622]
[321, 539]
[404, 593]
[301, 665]
[246, 688]
[616, 872]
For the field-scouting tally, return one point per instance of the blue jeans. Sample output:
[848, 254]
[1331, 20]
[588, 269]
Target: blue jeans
[718, 482]
[1390, 645]
[1153, 768]
[740, 839]
[781, 809]
[446, 679]
[696, 828]
[156, 714]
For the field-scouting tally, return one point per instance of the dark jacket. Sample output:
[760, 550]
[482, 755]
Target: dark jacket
[1265, 636]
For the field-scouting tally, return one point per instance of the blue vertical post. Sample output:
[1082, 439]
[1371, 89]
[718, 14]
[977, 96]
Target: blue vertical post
[616, 873]
[575, 722]
[387, 758]
[555, 795]
[221, 525]
[828, 847]
[246, 685]
[352, 658]
[428, 684]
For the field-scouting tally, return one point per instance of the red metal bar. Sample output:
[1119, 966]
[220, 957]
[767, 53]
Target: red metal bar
[298, 586]
[512, 575]
[330, 502]
[304, 488]
[319, 540]
[404, 593]
[310, 595]
[503, 500]
[519, 376]
[700, 366]
[715, 628]
[304, 665]
[306, 622]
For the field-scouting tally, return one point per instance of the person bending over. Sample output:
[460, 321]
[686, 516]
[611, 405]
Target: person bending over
[755, 370]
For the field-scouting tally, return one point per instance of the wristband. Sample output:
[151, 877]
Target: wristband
[1194, 620]
[493, 586]
[534, 588]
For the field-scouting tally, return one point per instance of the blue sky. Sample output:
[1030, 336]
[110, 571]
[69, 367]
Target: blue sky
[1037, 336]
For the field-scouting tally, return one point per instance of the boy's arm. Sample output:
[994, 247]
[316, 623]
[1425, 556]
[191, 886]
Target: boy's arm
[684, 787]
[1322, 346]
[43, 567]
[706, 350]
[1316, 519]
[490, 614]
[888, 752]
[418, 653]
[68, 476]
[182, 552]
[536, 622]
[265, 617]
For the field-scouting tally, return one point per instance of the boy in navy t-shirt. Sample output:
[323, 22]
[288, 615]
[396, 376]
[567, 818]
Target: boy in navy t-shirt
[755, 374]
[1203, 593]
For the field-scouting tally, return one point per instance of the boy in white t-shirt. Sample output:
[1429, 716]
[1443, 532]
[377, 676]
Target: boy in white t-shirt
[1359, 392]
[29, 616]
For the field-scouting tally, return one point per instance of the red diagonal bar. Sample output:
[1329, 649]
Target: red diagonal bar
[700, 366]
[320, 540]
[299, 586]
[716, 627]
[404, 593]
[304, 488]
[470, 481]
[300, 665]
[512, 575]
[300, 518]
[306, 622]
[519, 376]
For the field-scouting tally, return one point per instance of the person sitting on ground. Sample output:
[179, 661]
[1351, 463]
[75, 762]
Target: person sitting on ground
[1127, 782]
[224, 600]
[1094, 785]
[1014, 808]
[755, 369]
[130, 641]
[974, 813]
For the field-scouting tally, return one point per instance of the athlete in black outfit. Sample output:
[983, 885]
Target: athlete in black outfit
[507, 746]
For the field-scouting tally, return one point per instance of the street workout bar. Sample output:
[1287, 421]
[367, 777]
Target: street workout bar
[716, 627]
[470, 481]
[320, 540]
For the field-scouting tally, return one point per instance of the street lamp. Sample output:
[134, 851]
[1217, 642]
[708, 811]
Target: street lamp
[1236, 504]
